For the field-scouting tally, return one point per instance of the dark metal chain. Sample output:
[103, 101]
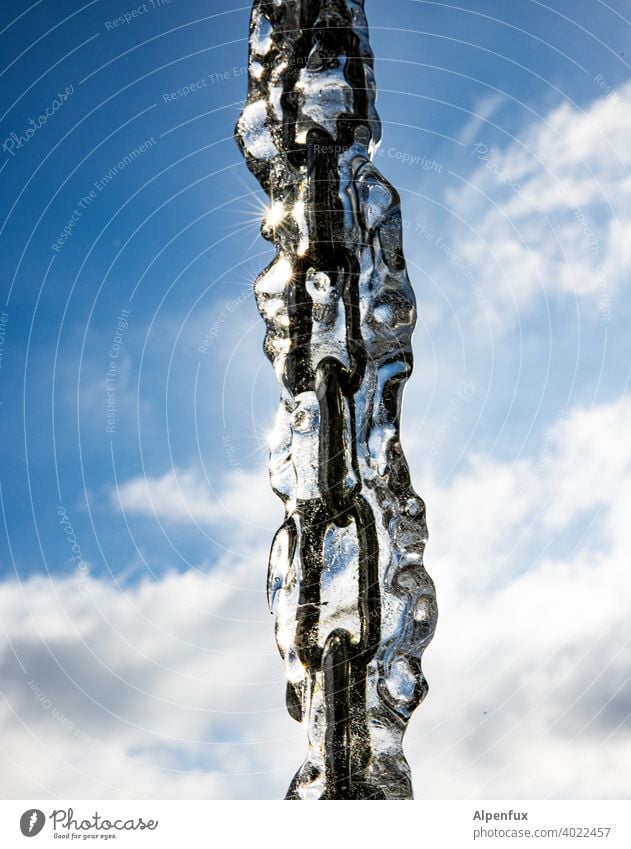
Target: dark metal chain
[354, 606]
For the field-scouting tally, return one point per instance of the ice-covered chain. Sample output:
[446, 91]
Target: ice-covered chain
[354, 605]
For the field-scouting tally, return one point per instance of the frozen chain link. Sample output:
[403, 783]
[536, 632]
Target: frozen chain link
[354, 605]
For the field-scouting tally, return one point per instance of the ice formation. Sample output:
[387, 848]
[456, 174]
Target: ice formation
[353, 603]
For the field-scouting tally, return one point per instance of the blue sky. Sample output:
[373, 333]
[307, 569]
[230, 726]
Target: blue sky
[129, 244]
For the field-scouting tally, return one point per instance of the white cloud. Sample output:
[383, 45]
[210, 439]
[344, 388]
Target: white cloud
[529, 670]
[483, 108]
[185, 495]
[546, 216]
[180, 685]
[169, 689]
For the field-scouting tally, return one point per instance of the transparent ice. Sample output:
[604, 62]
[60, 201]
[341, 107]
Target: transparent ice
[353, 604]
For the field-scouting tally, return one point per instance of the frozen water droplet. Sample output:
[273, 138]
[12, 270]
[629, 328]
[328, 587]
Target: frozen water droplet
[256, 136]
[275, 279]
[423, 611]
[401, 682]
[414, 507]
[261, 38]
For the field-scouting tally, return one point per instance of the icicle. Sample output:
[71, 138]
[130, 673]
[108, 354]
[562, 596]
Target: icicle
[354, 605]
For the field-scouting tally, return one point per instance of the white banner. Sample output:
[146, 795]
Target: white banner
[439, 825]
